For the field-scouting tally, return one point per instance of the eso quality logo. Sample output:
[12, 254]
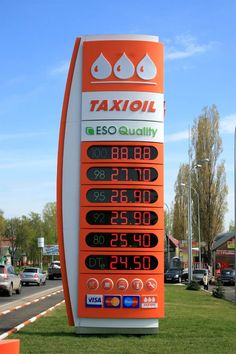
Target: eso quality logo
[123, 130]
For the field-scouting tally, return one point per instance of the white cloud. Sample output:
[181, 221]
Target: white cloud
[60, 69]
[185, 46]
[180, 136]
[228, 123]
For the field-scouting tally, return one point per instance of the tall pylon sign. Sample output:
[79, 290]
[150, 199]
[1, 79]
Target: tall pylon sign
[110, 185]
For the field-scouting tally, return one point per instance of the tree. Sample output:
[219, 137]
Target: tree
[50, 223]
[2, 224]
[210, 179]
[180, 204]
[14, 234]
[231, 226]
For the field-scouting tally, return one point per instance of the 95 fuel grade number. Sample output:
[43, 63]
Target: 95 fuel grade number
[121, 217]
[118, 195]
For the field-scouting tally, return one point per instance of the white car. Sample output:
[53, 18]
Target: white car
[33, 275]
[9, 280]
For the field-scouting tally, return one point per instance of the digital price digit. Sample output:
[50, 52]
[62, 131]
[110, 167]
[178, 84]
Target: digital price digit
[121, 239]
[121, 217]
[121, 262]
[119, 152]
[110, 195]
[126, 174]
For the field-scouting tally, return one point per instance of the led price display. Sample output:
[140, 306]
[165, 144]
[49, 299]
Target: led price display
[121, 217]
[121, 239]
[147, 174]
[114, 152]
[111, 195]
[118, 262]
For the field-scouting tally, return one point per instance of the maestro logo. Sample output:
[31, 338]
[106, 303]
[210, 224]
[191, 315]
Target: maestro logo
[123, 130]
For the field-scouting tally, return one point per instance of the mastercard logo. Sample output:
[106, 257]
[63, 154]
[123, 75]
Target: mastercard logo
[113, 301]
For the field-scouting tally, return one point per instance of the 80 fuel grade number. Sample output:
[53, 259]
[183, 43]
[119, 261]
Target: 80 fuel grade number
[121, 239]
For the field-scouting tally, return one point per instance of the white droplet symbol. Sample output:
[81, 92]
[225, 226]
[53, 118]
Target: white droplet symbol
[146, 69]
[124, 68]
[101, 68]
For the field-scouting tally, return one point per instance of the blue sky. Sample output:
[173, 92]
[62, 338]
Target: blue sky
[37, 39]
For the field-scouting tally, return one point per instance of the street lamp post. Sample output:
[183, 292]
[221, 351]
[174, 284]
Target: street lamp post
[199, 228]
[235, 211]
[168, 241]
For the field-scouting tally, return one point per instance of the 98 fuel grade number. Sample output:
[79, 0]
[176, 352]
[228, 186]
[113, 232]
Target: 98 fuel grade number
[121, 262]
[121, 217]
[127, 174]
[118, 195]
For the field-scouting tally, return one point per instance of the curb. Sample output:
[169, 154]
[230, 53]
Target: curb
[31, 320]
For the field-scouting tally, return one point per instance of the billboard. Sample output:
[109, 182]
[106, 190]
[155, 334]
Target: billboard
[110, 185]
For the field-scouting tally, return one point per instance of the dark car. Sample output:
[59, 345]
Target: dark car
[173, 275]
[54, 270]
[227, 276]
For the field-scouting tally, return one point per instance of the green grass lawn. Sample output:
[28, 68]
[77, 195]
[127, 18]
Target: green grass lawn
[194, 322]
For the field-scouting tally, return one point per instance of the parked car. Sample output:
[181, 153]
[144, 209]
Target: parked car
[173, 275]
[184, 275]
[33, 275]
[227, 276]
[199, 273]
[54, 270]
[9, 280]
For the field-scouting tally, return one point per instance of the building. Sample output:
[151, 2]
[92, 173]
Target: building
[223, 251]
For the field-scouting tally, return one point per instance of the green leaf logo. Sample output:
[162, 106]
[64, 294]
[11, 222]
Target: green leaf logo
[90, 131]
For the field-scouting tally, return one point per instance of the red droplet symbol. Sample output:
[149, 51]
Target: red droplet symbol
[142, 69]
[96, 69]
[118, 68]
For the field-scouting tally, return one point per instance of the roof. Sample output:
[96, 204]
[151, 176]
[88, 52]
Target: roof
[220, 239]
[173, 240]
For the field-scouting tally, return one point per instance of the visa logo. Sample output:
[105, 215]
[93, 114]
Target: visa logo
[94, 300]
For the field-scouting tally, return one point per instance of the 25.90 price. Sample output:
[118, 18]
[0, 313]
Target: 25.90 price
[121, 217]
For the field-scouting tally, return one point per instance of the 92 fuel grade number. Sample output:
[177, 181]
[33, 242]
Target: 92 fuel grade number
[121, 217]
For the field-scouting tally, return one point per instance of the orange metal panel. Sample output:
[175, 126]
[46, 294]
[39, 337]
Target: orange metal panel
[98, 262]
[119, 217]
[122, 147]
[116, 172]
[135, 51]
[59, 182]
[123, 235]
[148, 298]
[118, 195]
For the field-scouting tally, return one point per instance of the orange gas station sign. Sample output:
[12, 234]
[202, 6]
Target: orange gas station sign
[110, 185]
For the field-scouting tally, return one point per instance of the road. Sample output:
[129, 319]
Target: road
[31, 302]
[27, 291]
[229, 292]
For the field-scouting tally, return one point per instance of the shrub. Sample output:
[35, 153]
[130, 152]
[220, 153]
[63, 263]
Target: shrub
[218, 291]
[193, 285]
